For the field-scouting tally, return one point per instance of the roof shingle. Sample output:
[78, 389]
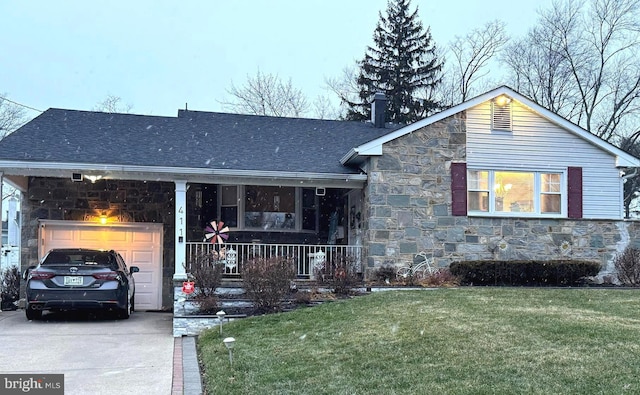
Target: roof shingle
[194, 139]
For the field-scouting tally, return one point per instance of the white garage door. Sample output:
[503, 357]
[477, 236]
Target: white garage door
[140, 244]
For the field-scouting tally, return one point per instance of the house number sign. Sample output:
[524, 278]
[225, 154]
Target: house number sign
[180, 224]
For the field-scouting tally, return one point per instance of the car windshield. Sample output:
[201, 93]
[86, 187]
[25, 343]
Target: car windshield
[75, 258]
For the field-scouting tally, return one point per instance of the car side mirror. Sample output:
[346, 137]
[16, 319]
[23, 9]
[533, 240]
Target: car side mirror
[25, 274]
[134, 269]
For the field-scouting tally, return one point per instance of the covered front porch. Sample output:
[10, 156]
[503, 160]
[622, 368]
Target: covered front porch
[315, 226]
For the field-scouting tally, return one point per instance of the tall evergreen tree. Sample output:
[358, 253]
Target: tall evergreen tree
[402, 64]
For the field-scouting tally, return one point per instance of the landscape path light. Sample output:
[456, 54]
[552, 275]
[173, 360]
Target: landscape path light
[229, 342]
[221, 315]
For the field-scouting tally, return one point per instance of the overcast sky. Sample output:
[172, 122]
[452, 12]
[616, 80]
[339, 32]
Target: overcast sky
[158, 55]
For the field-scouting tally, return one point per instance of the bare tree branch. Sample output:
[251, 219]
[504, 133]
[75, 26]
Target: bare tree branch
[113, 104]
[266, 94]
[473, 52]
[345, 87]
[12, 116]
[581, 62]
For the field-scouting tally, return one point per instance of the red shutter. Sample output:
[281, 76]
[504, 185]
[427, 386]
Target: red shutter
[459, 189]
[574, 184]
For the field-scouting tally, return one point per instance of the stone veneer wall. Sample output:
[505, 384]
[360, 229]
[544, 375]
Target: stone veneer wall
[131, 201]
[408, 202]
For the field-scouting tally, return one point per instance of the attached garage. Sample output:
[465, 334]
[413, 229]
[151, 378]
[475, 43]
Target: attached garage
[140, 244]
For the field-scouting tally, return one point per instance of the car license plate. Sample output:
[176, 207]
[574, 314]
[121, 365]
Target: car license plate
[73, 280]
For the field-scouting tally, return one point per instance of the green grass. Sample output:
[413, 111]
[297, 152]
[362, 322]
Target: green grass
[445, 341]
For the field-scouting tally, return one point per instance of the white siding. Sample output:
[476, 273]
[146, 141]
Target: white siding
[537, 144]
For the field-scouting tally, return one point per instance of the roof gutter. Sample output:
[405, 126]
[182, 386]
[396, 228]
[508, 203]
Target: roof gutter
[350, 156]
[248, 177]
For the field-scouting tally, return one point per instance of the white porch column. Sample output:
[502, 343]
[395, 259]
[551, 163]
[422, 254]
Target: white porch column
[181, 230]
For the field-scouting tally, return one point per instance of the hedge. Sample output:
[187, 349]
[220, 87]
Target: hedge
[529, 273]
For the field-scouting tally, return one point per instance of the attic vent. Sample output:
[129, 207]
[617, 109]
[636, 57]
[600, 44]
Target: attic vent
[501, 113]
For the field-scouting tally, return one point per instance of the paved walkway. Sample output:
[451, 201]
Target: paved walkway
[186, 369]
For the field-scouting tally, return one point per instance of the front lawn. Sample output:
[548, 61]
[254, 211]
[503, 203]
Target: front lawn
[444, 341]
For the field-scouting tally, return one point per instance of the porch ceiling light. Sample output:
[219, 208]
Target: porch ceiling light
[93, 178]
[103, 219]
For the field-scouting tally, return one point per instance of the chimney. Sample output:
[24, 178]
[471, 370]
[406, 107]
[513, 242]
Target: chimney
[378, 110]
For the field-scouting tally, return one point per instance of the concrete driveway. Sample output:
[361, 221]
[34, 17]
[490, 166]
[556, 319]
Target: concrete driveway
[96, 353]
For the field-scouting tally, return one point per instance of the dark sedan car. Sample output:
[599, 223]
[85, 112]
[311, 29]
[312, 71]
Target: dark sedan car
[72, 279]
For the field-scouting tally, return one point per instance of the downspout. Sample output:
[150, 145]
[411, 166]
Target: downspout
[627, 176]
[624, 180]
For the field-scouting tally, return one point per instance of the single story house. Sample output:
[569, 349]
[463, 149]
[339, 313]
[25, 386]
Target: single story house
[497, 176]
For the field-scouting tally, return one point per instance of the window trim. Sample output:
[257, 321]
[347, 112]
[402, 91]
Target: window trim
[537, 193]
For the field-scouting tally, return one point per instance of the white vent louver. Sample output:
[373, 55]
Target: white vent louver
[501, 114]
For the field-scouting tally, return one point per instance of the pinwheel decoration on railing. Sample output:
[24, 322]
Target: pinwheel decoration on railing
[216, 232]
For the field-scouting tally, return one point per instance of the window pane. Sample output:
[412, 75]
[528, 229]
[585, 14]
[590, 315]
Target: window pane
[308, 198]
[309, 219]
[309, 212]
[513, 191]
[551, 183]
[478, 180]
[550, 203]
[229, 195]
[229, 215]
[478, 201]
[270, 207]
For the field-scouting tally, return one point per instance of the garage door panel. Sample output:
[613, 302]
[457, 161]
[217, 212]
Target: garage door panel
[142, 257]
[143, 278]
[139, 244]
[63, 235]
[142, 238]
[88, 236]
[116, 237]
[142, 299]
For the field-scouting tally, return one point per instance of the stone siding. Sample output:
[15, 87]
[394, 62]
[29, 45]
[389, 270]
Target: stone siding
[408, 202]
[129, 201]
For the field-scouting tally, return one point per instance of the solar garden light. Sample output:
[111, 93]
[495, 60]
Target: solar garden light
[229, 342]
[221, 315]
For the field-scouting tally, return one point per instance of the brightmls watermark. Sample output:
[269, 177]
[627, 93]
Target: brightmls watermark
[39, 384]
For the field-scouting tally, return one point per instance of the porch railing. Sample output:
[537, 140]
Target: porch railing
[309, 259]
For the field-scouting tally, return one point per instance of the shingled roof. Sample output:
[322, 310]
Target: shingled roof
[194, 139]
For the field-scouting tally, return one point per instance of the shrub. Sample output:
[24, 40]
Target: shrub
[442, 278]
[10, 288]
[345, 276]
[207, 304]
[627, 266]
[532, 273]
[267, 281]
[385, 274]
[341, 274]
[206, 272]
[302, 298]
